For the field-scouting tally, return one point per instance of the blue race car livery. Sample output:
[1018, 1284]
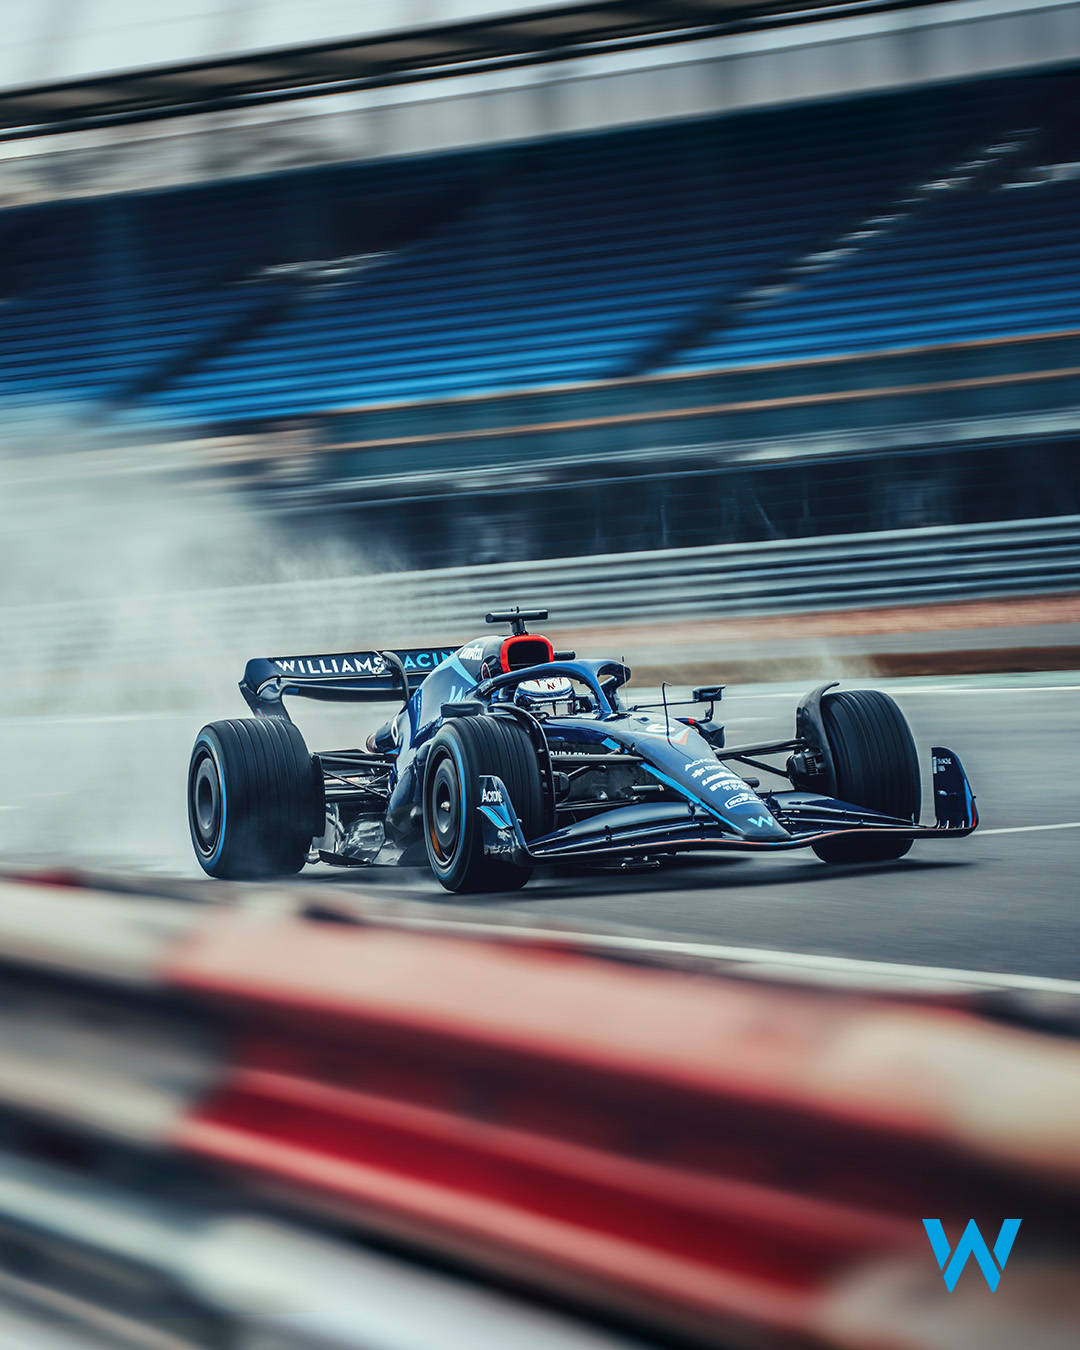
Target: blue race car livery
[505, 754]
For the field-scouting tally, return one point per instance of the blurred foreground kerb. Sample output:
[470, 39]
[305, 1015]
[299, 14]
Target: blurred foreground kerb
[729, 1160]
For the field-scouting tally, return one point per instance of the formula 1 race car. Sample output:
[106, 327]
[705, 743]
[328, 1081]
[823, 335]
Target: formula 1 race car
[506, 753]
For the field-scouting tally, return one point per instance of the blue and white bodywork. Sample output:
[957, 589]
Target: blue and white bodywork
[584, 775]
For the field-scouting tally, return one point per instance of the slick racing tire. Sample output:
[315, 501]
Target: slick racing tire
[876, 766]
[461, 752]
[255, 798]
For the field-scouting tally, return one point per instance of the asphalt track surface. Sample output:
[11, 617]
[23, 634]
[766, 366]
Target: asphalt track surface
[109, 791]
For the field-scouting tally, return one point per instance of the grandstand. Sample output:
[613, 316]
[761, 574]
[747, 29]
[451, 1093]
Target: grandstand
[880, 272]
[850, 227]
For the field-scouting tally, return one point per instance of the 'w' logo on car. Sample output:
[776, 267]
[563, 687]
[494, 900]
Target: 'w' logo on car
[952, 1260]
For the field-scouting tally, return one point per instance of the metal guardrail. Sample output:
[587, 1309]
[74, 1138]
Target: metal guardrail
[830, 572]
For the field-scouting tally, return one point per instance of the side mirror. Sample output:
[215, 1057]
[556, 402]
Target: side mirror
[710, 693]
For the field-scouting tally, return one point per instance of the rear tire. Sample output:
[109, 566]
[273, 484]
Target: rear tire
[876, 765]
[462, 752]
[255, 798]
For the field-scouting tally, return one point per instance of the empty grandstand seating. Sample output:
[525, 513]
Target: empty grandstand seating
[983, 264]
[96, 296]
[589, 254]
[678, 248]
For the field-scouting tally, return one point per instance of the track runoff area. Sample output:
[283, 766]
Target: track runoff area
[997, 909]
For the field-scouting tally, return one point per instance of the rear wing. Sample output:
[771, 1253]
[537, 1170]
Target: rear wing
[338, 676]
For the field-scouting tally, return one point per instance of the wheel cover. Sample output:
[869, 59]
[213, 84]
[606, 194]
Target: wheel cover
[204, 803]
[443, 811]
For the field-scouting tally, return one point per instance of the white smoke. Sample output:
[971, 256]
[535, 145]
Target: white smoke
[130, 597]
[129, 578]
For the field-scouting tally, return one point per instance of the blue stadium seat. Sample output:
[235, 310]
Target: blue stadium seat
[533, 267]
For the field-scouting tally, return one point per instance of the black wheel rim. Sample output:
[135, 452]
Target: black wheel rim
[205, 803]
[444, 811]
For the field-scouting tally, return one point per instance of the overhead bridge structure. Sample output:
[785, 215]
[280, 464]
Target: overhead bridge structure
[490, 39]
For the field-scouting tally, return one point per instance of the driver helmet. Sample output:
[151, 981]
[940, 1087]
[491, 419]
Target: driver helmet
[546, 694]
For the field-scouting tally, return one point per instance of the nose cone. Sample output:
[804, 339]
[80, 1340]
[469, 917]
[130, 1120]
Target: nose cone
[732, 800]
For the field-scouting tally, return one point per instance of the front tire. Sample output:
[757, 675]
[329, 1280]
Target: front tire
[877, 766]
[463, 751]
[255, 798]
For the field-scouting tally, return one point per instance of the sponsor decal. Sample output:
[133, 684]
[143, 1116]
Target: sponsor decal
[952, 1260]
[761, 822]
[676, 734]
[491, 796]
[708, 773]
[358, 663]
[426, 659]
[473, 653]
[740, 799]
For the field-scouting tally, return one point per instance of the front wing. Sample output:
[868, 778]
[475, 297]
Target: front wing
[809, 821]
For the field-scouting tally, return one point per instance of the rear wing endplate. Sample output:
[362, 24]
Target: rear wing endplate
[338, 676]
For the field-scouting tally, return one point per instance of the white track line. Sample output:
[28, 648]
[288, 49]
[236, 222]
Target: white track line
[904, 690]
[840, 969]
[988, 688]
[881, 973]
[1026, 829]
